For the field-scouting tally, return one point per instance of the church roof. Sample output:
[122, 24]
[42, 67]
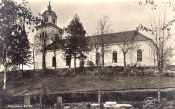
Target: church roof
[47, 24]
[49, 11]
[110, 38]
[133, 35]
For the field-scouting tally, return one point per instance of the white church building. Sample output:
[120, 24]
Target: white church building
[142, 54]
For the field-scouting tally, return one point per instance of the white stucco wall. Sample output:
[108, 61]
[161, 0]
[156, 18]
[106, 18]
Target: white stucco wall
[131, 57]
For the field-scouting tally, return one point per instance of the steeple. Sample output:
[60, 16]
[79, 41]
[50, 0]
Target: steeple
[49, 7]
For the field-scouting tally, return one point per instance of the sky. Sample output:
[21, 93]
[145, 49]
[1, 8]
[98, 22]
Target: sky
[124, 15]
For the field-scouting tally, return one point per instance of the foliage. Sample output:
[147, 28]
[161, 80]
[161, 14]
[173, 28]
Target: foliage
[12, 33]
[76, 44]
[21, 50]
[13, 17]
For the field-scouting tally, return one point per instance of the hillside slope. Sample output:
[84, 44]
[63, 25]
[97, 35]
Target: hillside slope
[54, 83]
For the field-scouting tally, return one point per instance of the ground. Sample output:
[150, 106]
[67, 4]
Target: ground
[54, 83]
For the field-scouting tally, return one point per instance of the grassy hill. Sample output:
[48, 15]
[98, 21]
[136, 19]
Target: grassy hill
[61, 81]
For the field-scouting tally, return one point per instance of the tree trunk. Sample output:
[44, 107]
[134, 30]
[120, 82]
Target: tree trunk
[22, 62]
[5, 71]
[55, 59]
[124, 71]
[44, 55]
[33, 60]
[99, 96]
[102, 57]
[5, 78]
[70, 58]
[44, 61]
[74, 65]
[99, 89]
[158, 91]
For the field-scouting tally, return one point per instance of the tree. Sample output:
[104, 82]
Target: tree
[126, 46]
[76, 42]
[21, 53]
[11, 17]
[96, 44]
[102, 28]
[99, 42]
[160, 30]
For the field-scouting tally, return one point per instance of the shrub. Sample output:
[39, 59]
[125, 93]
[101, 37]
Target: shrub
[91, 65]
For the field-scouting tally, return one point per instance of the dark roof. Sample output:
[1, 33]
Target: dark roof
[47, 24]
[118, 37]
[110, 38]
[49, 12]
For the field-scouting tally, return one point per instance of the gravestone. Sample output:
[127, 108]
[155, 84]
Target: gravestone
[101, 106]
[27, 99]
[59, 102]
[164, 102]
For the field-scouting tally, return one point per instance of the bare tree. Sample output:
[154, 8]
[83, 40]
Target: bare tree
[161, 35]
[96, 44]
[99, 42]
[126, 46]
[102, 28]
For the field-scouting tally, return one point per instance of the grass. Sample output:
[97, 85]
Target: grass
[60, 82]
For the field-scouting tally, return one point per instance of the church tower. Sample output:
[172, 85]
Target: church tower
[47, 32]
[50, 16]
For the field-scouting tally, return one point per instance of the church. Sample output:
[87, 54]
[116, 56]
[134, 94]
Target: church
[143, 54]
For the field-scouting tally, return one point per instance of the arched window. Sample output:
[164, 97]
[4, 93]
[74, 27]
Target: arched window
[53, 20]
[43, 35]
[114, 56]
[68, 60]
[54, 61]
[56, 37]
[82, 63]
[46, 19]
[139, 55]
[97, 58]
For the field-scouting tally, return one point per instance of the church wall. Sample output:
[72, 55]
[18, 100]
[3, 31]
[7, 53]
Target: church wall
[147, 55]
[131, 57]
[38, 60]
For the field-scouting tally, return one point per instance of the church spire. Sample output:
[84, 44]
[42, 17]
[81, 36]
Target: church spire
[49, 7]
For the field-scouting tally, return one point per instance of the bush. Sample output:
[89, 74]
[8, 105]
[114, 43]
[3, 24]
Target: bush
[91, 65]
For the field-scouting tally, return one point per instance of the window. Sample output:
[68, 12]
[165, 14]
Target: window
[43, 35]
[114, 56]
[53, 20]
[68, 60]
[139, 55]
[40, 36]
[46, 19]
[56, 36]
[54, 61]
[82, 63]
[97, 58]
